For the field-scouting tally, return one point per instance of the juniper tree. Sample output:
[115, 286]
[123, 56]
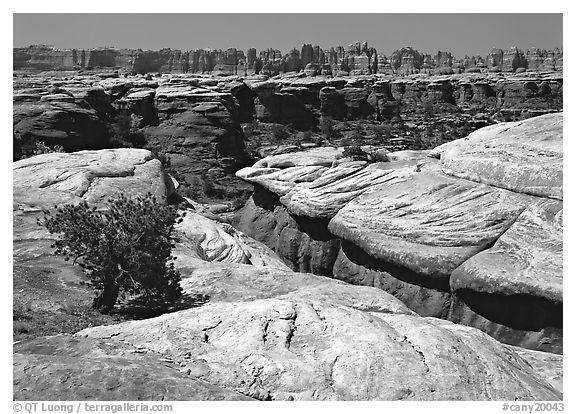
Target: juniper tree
[124, 247]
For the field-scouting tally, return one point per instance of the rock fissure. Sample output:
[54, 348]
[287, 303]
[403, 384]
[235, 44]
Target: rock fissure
[206, 337]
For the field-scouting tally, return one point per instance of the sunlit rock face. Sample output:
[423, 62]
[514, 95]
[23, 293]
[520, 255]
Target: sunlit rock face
[470, 231]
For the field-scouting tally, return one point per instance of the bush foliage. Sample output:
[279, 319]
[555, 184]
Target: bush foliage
[124, 248]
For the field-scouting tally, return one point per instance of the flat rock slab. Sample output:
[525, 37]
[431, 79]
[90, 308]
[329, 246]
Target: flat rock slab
[325, 196]
[91, 175]
[69, 368]
[517, 283]
[526, 259]
[550, 366]
[324, 156]
[524, 156]
[428, 222]
[281, 181]
[312, 347]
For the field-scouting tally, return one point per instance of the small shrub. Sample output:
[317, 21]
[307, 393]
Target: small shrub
[427, 109]
[121, 133]
[42, 148]
[306, 136]
[327, 127]
[355, 152]
[124, 248]
[279, 133]
[383, 133]
[357, 134]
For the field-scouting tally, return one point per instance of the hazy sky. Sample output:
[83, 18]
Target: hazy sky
[457, 33]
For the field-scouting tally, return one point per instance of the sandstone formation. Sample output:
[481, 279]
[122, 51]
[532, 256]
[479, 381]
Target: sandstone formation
[325, 342]
[356, 59]
[265, 333]
[452, 238]
[196, 119]
[67, 368]
[525, 157]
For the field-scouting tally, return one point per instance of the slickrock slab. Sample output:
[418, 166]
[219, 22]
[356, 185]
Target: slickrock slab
[68, 368]
[526, 259]
[524, 156]
[324, 156]
[202, 239]
[92, 175]
[518, 282]
[325, 344]
[549, 365]
[428, 222]
[337, 186]
[281, 181]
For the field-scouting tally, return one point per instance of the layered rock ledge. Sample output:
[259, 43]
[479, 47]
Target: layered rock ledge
[474, 236]
[262, 331]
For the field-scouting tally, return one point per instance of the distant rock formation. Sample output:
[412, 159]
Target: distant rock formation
[356, 59]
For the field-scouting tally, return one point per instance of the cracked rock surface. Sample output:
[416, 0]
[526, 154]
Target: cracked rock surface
[327, 342]
[66, 368]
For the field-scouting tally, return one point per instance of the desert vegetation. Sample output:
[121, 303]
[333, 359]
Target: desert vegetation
[124, 248]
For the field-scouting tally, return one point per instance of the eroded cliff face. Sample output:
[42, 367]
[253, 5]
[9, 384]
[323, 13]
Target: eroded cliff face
[470, 232]
[356, 59]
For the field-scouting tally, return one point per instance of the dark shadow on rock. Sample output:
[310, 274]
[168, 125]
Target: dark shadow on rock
[315, 228]
[360, 257]
[144, 308]
[265, 199]
[523, 312]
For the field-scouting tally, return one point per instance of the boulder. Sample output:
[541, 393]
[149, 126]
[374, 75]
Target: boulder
[327, 194]
[202, 239]
[71, 123]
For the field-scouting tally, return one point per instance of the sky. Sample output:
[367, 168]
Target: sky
[461, 34]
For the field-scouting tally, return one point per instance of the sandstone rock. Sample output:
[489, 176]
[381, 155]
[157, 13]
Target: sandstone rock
[422, 222]
[303, 243]
[524, 156]
[281, 181]
[548, 365]
[523, 268]
[314, 157]
[353, 265]
[91, 175]
[66, 368]
[326, 195]
[325, 345]
[205, 240]
[279, 173]
[58, 120]
[267, 333]
[526, 259]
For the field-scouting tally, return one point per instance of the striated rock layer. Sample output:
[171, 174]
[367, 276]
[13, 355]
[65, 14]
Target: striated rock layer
[452, 238]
